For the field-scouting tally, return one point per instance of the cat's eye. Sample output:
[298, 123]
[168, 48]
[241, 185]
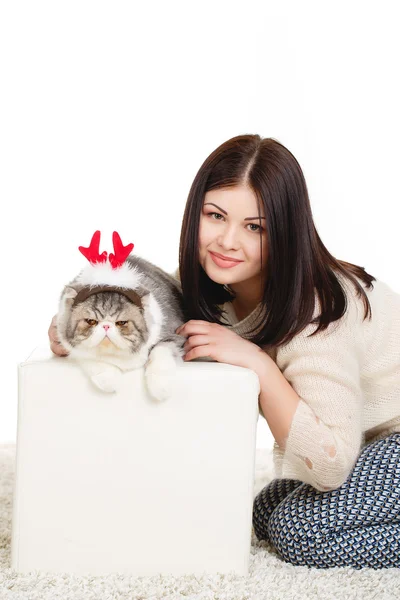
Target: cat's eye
[121, 323]
[91, 322]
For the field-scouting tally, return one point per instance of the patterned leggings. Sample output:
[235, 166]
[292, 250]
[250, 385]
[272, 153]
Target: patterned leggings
[356, 525]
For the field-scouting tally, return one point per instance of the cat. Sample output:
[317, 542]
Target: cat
[109, 330]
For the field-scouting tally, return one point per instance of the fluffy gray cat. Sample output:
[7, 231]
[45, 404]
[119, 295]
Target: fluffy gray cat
[108, 331]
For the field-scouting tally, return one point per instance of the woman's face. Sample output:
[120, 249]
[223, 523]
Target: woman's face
[229, 226]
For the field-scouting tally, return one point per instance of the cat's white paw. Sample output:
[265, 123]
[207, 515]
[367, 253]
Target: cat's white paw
[107, 380]
[160, 373]
[104, 376]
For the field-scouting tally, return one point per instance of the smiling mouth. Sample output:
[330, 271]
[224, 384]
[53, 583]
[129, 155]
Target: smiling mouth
[226, 258]
[222, 263]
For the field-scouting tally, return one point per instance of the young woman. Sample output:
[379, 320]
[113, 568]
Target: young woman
[264, 293]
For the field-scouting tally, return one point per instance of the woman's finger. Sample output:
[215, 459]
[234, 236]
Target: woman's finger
[58, 349]
[197, 340]
[193, 327]
[198, 352]
[53, 335]
[52, 332]
[55, 344]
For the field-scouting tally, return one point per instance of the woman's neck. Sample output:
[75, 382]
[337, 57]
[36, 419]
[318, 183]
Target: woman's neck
[247, 296]
[243, 307]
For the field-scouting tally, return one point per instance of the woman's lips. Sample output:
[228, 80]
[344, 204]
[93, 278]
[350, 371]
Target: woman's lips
[224, 264]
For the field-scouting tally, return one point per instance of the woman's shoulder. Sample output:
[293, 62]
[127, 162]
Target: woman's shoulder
[176, 274]
[353, 329]
[383, 300]
[347, 328]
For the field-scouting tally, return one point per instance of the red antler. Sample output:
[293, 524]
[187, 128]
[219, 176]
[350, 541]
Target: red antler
[121, 251]
[92, 253]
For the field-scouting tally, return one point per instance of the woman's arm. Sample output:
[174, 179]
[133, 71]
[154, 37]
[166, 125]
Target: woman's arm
[316, 415]
[278, 400]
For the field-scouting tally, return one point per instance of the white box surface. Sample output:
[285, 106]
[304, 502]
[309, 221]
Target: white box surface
[122, 483]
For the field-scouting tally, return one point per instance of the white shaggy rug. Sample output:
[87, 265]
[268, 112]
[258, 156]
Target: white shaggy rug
[269, 578]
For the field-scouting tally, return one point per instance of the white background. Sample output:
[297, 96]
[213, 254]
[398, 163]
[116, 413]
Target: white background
[109, 109]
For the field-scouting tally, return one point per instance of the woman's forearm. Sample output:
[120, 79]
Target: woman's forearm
[278, 400]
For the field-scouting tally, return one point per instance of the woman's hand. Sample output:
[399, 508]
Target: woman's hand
[219, 343]
[55, 345]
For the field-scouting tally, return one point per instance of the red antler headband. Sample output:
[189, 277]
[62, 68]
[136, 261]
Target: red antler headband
[116, 273]
[121, 252]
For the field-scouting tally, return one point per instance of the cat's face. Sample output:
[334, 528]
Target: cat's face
[107, 323]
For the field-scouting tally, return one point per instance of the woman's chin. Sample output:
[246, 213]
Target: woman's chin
[218, 277]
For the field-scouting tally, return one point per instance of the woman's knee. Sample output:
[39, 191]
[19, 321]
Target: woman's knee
[293, 528]
[267, 500]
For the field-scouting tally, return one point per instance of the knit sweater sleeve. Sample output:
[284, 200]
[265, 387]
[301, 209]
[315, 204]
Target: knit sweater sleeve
[325, 436]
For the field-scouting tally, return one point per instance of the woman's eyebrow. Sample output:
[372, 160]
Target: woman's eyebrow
[225, 213]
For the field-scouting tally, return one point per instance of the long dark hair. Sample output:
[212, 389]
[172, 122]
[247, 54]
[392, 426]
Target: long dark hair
[298, 264]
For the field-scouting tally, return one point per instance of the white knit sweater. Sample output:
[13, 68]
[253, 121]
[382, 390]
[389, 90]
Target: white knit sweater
[348, 380]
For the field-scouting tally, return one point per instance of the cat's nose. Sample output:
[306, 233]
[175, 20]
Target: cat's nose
[106, 327]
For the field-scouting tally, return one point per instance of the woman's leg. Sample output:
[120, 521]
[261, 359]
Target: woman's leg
[267, 500]
[356, 525]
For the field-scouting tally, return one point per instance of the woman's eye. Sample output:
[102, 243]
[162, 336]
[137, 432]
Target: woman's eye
[91, 322]
[259, 228]
[254, 225]
[121, 323]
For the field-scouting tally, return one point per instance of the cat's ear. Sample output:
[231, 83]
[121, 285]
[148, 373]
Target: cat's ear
[68, 295]
[70, 292]
[146, 299]
[152, 310]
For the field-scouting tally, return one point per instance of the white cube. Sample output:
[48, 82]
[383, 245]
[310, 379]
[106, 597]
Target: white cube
[122, 483]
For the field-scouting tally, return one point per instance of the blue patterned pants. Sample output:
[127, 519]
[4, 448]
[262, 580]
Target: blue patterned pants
[356, 525]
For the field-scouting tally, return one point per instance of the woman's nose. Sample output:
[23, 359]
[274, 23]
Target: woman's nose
[228, 239]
